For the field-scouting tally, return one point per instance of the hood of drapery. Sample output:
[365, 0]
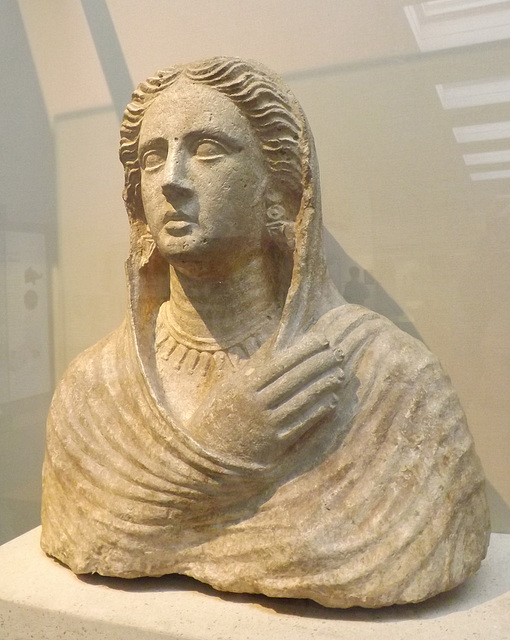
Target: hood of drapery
[310, 294]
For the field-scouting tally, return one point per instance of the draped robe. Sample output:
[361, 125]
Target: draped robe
[381, 503]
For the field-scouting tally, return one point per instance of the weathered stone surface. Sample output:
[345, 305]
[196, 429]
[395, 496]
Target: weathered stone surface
[41, 600]
[245, 426]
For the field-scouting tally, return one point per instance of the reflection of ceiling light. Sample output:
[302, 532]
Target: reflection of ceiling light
[471, 94]
[435, 25]
[490, 175]
[439, 7]
[487, 157]
[486, 131]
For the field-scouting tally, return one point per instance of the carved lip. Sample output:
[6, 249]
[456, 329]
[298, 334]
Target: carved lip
[177, 223]
[176, 216]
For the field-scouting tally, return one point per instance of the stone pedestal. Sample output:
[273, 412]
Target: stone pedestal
[42, 600]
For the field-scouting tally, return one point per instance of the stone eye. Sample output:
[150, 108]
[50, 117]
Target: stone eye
[210, 150]
[153, 158]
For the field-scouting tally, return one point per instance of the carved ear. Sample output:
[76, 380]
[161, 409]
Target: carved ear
[279, 227]
[276, 212]
[146, 246]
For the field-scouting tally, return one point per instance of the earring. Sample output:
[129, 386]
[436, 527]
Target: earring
[146, 246]
[279, 228]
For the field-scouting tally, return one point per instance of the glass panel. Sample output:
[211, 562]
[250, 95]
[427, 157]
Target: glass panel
[411, 124]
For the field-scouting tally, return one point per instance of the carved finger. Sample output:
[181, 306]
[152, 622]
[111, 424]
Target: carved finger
[301, 376]
[308, 418]
[282, 362]
[319, 392]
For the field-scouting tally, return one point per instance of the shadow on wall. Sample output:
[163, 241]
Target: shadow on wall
[360, 287]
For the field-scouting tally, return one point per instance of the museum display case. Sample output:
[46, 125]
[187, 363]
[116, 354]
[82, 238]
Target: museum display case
[408, 103]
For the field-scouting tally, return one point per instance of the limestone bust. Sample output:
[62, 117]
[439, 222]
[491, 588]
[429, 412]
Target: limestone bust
[245, 425]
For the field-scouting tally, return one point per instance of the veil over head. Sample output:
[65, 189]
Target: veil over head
[381, 503]
[310, 292]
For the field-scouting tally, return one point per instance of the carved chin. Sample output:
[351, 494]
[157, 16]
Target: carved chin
[229, 250]
[176, 245]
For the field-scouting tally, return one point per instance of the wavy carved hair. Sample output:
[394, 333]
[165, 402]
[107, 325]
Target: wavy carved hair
[258, 96]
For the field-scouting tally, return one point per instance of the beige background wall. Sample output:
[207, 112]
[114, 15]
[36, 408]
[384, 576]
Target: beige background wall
[398, 198]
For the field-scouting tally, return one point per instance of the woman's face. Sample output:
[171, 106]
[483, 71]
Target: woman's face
[204, 178]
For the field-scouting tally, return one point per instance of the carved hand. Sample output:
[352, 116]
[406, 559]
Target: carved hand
[272, 400]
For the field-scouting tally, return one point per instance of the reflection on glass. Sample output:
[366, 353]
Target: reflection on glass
[444, 24]
[430, 236]
[481, 132]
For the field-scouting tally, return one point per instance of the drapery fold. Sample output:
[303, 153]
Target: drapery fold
[389, 486]
[381, 503]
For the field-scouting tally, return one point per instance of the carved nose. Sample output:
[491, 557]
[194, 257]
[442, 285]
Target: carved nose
[175, 178]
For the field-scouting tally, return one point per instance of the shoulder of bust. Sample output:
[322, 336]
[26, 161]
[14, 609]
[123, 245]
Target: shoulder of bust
[365, 334]
[92, 364]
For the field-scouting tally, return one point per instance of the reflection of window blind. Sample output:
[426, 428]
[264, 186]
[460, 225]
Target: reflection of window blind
[490, 175]
[480, 132]
[458, 23]
[440, 7]
[458, 95]
[487, 157]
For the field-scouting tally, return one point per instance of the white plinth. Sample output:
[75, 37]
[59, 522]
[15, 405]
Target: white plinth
[42, 600]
